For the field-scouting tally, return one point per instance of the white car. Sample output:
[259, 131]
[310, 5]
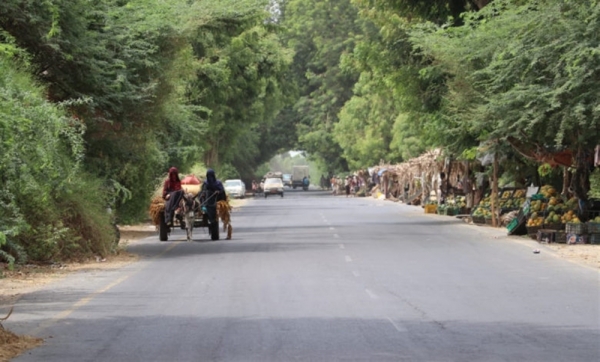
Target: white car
[273, 186]
[235, 188]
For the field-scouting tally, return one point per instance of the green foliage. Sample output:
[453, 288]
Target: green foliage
[239, 81]
[437, 11]
[522, 73]
[42, 185]
[595, 185]
[320, 32]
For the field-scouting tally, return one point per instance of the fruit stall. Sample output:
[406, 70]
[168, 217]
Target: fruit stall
[454, 205]
[509, 200]
[550, 217]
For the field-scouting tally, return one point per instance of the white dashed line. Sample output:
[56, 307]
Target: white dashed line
[336, 236]
[356, 274]
[331, 228]
[348, 259]
[342, 246]
[371, 294]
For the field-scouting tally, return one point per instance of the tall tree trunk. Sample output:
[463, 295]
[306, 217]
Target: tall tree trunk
[495, 192]
[566, 181]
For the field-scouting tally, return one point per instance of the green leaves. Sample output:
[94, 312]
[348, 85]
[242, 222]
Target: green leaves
[524, 74]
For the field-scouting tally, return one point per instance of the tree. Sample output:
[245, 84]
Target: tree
[525, 75]
[239, 82]
[320, 32]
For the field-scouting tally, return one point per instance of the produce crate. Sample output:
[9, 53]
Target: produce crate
[546, 235]
[561, 237]
[578, 229]
[532, 231]
[478, 220]
[513, 225]
[488, 221]
[555, 226]
[450, 211]
[593, 227]
[430, 209]
[594, 238]
[576, 239]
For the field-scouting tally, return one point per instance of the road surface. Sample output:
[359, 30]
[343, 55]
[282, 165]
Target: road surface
[312, 277]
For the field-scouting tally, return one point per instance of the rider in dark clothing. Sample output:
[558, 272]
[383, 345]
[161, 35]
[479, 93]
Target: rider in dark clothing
[212, 191]
[172, 194]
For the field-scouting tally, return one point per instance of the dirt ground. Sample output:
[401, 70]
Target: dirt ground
[583, 254]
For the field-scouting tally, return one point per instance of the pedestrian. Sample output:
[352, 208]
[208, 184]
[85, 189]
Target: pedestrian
[347, 185]
[172, 194]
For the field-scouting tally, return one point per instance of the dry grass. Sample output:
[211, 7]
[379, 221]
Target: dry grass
[12, 345]
[157, 209]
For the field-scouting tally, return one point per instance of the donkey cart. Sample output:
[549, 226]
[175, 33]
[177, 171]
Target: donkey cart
[188, 215]
[187, 218]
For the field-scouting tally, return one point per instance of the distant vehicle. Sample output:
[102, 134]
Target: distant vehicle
[273, 174]
[235, 188]
[273, 186]
[299, 173]
[287, 179]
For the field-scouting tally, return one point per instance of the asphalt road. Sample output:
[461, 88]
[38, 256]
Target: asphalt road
[312, 277]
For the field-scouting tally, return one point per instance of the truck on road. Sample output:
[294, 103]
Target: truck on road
[298, 175]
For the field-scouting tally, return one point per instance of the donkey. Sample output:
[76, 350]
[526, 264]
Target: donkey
[189, 206]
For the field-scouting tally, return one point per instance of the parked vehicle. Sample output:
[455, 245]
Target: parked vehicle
[273, 186]
[235, 188]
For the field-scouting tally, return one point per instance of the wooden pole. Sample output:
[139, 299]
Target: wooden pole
[495, 192]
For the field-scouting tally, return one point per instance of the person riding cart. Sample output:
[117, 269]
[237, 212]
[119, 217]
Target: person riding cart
[212, 192]
[172, 194]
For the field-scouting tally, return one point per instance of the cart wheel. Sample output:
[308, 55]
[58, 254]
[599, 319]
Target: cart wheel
[163, 229]
[214, 231]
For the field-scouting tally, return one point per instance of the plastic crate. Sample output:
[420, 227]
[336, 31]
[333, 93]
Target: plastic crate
[478, 220]
[555, 226]
[594, 238]
[577, 239]
[532, 231]
[451, 211]
[593, 227]
[430, 209]
[578, 229]
[561, 237]
[546, 236]
[513, 224]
